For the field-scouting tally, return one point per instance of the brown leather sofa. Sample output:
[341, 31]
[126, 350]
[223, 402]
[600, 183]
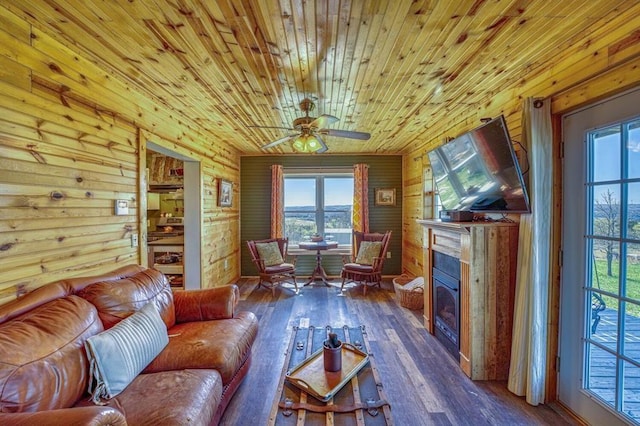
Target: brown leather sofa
[44, 370]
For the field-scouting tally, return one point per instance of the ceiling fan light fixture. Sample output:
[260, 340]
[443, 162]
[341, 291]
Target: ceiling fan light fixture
[306, 143]
[311, 131]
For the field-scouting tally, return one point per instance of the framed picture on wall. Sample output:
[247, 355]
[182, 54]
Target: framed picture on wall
[385, 197]
[225, 193]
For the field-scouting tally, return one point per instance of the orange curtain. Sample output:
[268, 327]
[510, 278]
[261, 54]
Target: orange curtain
[277, 201]
[360, 218]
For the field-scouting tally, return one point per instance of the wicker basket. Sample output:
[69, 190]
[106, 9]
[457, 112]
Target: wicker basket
[409, 291]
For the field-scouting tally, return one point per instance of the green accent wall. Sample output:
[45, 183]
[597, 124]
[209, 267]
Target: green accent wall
[385, 171]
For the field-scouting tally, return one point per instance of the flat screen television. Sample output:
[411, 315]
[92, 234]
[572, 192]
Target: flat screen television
[479, 172]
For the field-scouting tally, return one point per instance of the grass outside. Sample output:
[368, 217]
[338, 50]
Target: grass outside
[611, 283]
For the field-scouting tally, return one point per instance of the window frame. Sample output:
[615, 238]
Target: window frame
[319, 174]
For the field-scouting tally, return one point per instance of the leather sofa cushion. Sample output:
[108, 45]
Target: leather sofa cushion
[221, 345]
[59, 289]
[43, 365]
[117, 299]
[184, 397]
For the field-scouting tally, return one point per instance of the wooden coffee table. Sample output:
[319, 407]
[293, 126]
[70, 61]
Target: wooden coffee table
[361, 401]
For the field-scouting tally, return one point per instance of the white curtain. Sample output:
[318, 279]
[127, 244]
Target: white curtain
[527, 372]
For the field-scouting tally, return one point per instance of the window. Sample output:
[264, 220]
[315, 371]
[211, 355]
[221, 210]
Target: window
[428, 196]
[318, 202]
[612, 361]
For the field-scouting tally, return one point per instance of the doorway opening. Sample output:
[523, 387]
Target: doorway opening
[186, 209]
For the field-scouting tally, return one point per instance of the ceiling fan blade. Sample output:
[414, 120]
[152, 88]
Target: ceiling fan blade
[345, 134]
[323, 120]
[269, 127]
[278, 141]
[324, 147]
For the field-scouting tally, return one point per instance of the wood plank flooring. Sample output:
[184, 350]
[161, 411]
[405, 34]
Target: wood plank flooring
[423, 384]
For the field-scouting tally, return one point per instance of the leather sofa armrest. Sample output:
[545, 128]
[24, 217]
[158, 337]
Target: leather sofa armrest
[90, 416]
[206, 304]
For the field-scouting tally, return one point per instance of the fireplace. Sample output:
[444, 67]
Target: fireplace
[473, 323]
[446, 303]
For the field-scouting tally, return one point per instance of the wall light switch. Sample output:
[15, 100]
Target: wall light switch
[226, 264]
[122, 207]
[134, 240]
[388, 255]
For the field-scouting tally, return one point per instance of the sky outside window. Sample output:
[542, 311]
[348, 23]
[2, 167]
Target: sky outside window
[299, 192]
[338, 191]
[607, 146]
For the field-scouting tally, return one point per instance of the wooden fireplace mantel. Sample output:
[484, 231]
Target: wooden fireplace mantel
[488, 253]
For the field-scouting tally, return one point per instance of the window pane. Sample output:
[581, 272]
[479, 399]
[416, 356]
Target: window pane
[300, 206]
[633, 210]
[632, 331]
[338, 193]
[633, 278]
[604, 278]
[633, 147]
[606, 210]
[631, 398]
[602, 373]
[606, 154]
[300, 194]
[337, 227]
[338, 205]
[299, 226]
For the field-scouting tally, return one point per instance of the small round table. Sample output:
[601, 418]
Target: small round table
[319, 271]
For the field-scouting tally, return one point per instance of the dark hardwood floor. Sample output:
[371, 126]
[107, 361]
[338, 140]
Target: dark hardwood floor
[423, 384]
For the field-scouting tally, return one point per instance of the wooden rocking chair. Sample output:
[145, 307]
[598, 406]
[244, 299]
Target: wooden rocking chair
[270, 257]
[366, 268]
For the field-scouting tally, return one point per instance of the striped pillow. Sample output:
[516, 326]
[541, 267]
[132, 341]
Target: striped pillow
[118, 355]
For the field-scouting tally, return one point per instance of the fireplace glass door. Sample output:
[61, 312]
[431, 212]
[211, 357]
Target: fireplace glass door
[446, 305]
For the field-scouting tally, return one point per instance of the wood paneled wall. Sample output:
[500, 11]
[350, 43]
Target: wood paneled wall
[606, 63]
[586, 71]
[69, 147]
[385, 171]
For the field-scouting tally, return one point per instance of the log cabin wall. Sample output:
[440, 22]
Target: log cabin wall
[69, 147]
[603, 63]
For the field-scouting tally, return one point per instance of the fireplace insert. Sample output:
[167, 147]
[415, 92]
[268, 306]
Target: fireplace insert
[446, 304]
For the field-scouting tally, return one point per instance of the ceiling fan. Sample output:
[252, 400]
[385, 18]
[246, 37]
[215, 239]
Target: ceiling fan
[309, 130]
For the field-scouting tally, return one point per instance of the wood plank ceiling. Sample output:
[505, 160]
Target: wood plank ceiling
[391, 68]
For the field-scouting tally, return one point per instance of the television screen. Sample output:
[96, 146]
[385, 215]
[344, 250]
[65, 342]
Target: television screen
[478, 171]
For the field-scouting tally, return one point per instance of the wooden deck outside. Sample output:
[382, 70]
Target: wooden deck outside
[603, 365]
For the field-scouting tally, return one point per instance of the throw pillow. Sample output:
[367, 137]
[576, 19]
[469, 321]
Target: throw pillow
[118, 299]
[118, 355]
[270, 253]
[368, 251]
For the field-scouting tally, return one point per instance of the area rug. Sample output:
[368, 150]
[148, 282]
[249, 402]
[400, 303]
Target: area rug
[360, 402]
